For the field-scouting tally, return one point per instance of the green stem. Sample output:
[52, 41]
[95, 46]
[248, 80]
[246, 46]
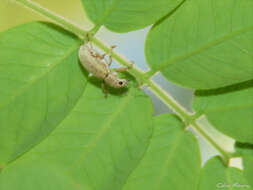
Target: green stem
[143, 78]
[167, 99]
[52, 16]
[226, 156]
[134, 71]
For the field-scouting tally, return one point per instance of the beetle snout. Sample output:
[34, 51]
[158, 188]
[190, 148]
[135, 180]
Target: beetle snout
[122, 83]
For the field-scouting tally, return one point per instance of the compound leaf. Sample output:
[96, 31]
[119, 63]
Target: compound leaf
[95, 147]
[215, 175]
[229, 109]
[40, 79]
[246, 151]
[127, 15]
[204, 44]
[172, 160]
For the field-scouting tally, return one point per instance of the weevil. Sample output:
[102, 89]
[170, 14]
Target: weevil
[98, 66]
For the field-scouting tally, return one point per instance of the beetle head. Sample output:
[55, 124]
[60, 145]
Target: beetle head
[122, 83]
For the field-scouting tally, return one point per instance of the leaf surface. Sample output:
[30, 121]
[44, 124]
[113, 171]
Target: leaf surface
[230, 110]
[40, 79]
[172, 160]
[204, 44]
[246, 150]
[215, 175]
[95, 147]
[127, 15]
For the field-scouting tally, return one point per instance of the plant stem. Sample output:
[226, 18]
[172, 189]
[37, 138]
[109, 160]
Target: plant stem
[226, 156]
[169, 100]
[52, 16]
[134, 71]
[143, 78]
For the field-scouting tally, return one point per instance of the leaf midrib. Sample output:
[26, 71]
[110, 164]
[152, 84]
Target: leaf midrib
[102, 19]
[227, 177]
[171, 154]
[202, 48]
[39, 77]
[104, 129]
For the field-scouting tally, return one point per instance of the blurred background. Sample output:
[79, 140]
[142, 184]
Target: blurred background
[131, 45]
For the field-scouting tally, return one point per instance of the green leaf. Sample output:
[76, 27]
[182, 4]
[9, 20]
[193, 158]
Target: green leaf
[229, 109]
[247, 154]
[40, 80]
[127, 15]
[215, 175]
[172, 160]
[95, 147]
[204, 44]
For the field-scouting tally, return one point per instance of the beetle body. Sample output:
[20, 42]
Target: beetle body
[95, 63]
[114, 81]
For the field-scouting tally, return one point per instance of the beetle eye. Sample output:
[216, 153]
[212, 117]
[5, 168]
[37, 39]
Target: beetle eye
[120, 82]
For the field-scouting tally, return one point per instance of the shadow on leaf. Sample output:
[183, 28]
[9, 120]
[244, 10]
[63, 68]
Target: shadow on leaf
[224, 90]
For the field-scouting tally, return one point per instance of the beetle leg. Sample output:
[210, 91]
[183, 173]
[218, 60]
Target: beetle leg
[88, 39]
[110, 55]
[91, 47]
[102, 56]
[93, 53]
[122, 69]
[104, 89]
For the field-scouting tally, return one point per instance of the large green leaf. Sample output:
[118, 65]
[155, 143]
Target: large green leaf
[215, 175]
[229, 109]
[127, 15]
[172, 160]
[95, 147]
[40, 80]
[204, 44]
[246, 151]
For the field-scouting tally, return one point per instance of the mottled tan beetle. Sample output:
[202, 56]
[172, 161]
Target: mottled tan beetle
[98, 66]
